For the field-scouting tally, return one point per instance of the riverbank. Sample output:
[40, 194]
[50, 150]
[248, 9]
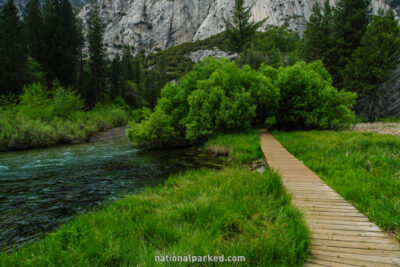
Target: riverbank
[230, 212]
[22, 132]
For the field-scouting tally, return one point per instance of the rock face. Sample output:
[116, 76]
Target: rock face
[198, 55]
[159, 24]
[20, 4]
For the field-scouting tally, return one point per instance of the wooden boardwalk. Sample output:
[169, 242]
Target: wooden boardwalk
[341, 235]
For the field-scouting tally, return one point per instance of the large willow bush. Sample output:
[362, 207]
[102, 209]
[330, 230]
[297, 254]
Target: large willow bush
[220, 96]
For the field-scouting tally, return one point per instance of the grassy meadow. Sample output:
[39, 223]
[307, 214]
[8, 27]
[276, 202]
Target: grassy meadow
[230, 212]
[363, 167]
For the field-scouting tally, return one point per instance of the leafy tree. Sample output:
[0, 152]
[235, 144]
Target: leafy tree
[33, 29]
[12, 50]
[373, 62]
[62, 41]
[220, 96]
[217, 95]
[36, 103]
[309, 101]
[241, 30]
[96, 52]
[65, 101]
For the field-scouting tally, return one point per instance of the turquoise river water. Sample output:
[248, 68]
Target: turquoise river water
[40, 189]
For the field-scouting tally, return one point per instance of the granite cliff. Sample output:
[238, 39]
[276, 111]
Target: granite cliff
[152, 25]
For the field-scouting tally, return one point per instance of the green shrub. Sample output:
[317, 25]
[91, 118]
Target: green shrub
[156, 129]
[140, 114]
[36, 102]
[65, 102]
[219, 96]
[216, 96]
[21, 130]
[309, 101]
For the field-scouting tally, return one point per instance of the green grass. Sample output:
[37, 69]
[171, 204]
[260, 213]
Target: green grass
[230, 212]
[366, 120]
[390, 119]
[22, 132]
[363, 167]
[242, 147]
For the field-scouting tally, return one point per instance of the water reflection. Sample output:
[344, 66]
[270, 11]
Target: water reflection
[39, 189]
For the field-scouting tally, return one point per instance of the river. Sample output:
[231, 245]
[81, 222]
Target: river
[40, 189]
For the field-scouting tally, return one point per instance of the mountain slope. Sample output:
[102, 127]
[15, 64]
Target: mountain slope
[20, 4]
[158, 24]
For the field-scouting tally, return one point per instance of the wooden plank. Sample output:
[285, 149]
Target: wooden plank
[313, 265]
[354, 244]
[334, 214]
[349, 233]
[332, 206]
[327, 263]
[361, 252]
[340, 222]
[370, 239]
[351, 262]
[344, 227]
[337, 203]
[356, 256]
[329, 209]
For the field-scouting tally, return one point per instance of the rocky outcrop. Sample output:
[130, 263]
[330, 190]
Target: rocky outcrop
[20, 4]
[198, 55]
[159, 24]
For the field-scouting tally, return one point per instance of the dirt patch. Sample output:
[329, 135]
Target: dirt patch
[113, 133]
[379, 127]
[259, 166]
[219, 150]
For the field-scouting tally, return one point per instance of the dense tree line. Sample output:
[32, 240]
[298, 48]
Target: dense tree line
[359, 49]
[46, 44]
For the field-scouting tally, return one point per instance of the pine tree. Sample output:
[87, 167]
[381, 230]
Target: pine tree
[81, 81]
[314, 36]
[318, 34]
[33, 72]
[241, 30]
[62, 41]
[96, 52]
[12, 50]
[115, 78]
[33, 29]
[373, 62]
[351, 18]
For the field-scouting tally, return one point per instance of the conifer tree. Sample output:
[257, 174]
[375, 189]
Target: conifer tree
[351, 18]
[12, 50]
[62, 41]
[96, 52]
[241, 30]
[33, 29]
[115, 78]
[373, 62]
[318, 34]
